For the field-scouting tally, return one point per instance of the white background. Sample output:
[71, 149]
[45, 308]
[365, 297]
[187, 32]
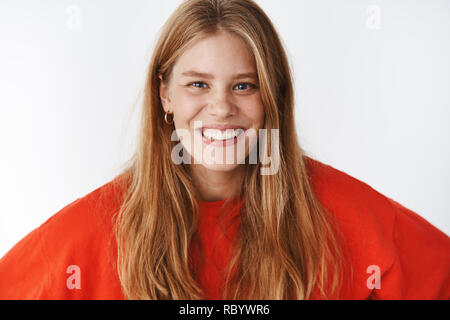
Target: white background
[372, 86]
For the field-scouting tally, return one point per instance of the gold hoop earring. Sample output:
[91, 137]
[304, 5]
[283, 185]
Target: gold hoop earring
[167, 121]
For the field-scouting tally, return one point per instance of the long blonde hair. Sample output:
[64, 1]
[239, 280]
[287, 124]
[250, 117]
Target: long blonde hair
[286, 242]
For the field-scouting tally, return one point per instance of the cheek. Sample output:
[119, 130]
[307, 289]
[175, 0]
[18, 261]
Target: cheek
[254, 110]
[186, 107]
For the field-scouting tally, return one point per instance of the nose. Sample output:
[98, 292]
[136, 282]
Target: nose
[222, 104]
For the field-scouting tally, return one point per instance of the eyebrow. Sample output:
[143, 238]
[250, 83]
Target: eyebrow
[193, 73]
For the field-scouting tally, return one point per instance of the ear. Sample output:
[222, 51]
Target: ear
[163, 93]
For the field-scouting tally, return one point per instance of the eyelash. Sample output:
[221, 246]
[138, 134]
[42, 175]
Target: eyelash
[252, 86]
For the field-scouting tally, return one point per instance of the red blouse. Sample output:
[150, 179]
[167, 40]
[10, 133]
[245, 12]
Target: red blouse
[73, 254]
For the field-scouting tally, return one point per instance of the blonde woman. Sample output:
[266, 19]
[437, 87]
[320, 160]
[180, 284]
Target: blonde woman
[219, 200]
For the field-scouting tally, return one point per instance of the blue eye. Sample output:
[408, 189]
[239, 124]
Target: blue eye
[195, 84]
[240, 86]
[243, 86]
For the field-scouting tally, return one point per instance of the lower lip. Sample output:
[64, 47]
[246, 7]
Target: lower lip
[222, 143]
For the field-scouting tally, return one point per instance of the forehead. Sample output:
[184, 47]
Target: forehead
[220, 54]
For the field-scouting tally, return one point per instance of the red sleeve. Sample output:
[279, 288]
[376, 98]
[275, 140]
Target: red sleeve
[35, 268]
[24, 269]
[421, 266]
[72, 255]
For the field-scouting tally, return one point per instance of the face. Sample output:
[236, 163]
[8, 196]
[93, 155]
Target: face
[214, 95]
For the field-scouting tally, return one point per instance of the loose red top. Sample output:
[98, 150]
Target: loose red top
[73, 254]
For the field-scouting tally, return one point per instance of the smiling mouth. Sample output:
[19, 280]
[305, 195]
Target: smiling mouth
[220, 135]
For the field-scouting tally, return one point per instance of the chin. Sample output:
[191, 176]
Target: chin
[222, 167]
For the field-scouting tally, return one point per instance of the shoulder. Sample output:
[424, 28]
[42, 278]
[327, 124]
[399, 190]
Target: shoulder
[365, 217]
[84, 215]
[82, 231]
[350, 199]
[378, 231]
[324, 176]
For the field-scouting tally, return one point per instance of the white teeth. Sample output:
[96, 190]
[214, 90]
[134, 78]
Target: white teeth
[219, 135]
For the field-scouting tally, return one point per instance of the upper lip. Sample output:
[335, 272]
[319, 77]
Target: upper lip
[222, 127]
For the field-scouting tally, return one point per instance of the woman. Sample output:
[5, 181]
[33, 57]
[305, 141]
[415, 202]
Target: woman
[192, 217]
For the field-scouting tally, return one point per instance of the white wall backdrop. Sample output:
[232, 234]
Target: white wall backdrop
[372, 82]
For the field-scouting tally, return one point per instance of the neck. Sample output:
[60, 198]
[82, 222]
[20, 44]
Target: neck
[216, 185]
